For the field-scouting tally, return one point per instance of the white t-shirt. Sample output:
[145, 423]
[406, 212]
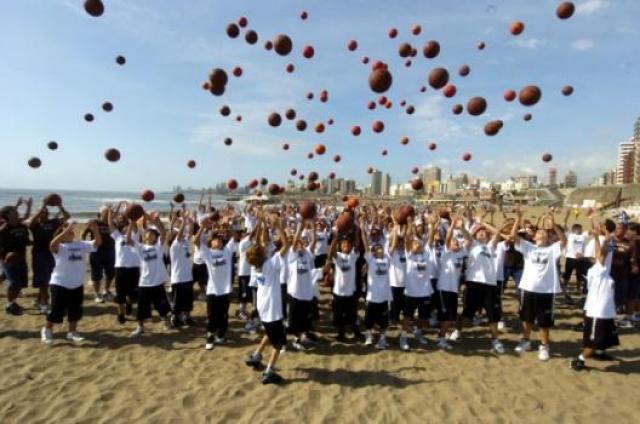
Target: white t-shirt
[600, 302]
[576, 244]
[70, 264]
[501, 250]
[180, 265]
[397, 267]
[450, 270]
[126, 255]
[322, 243]
[249, 222]
[219, 266]
[300, 279]
[152, 269]
[345, 275]
[434, 259]
[481, 267]
[269, 296]
[540, 273]
[378, 290]
[590, 248]
[417, 281]
[244, 268]
[197, 256]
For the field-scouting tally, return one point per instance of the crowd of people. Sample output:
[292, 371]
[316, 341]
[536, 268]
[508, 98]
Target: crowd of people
[412, 266]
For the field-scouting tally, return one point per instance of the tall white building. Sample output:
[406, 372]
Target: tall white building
[376, 183]
[386, 185]
[625, 162]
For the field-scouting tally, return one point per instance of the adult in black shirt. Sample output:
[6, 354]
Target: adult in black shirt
[103, 260]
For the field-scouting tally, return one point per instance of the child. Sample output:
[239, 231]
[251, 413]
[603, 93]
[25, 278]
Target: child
[269, 303]
[181, 276]
[127, 266]
[14, 238]
[153, 274]
[66, 286]
[378, 290]
[397, 271]
[599, 332]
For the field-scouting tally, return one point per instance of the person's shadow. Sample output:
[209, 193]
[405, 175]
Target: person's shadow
[357, 379]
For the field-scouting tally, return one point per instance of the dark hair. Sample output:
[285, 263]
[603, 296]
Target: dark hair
[610, 226]
[576, 227]
[5, 211]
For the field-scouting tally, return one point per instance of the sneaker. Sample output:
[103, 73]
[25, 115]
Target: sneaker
[46, 336]
[283, 349]
[577, 364]
[137, 332]
[128, 309]
[497, 346]
[455, 336]
[443, 344]
[44, 309]
[298, 345]
[75, 337]
[420, 338]
[368, 338]
[120, 319]
[253, 360]
[271, 377]
[501, 326]
[99, 298]
[382, 343]
[479, 320]
[219, 340]
[242, 315]
[13, 309]
[404, 344]
[175, 321]
[523, 346]
[543, 353]
[168, 324]
[625, 323]
[209, 343]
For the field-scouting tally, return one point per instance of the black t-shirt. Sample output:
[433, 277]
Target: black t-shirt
[621, 261]
[107, 242]
[15, 239]
[43, 234]
[513, 258]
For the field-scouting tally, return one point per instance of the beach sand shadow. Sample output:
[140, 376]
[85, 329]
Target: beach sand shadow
[356, 379]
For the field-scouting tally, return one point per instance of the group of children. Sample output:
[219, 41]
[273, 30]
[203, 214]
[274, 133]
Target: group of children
[410, 267]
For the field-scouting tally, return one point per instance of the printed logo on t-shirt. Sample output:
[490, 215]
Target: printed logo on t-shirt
[539, 257]
[260, 279]
[343, 264]
[149, 255]
[75, 254]
[484, 251]
[381, 268]
[403, 259]
[302, 265]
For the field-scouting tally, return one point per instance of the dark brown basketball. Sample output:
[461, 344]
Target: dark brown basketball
[191, 164]
[466, 157]
[52, 145]
[264, 181]
[431, 49]
[112, 155]
[401, 214]
[274, 189]
[225, 110]
[565, 10]
[94, 8]
[393, 33]
[282, 44]
[217, 91]
[432, 146]
[404, 50]
[232, 184]
[308, 52]
[464, 70]
[243, 21]
[178, 198]
[320, 149]
[120, 60]
[253, 183]
[410, 109]
[380, 80]
[457, 109]
[319, 128]
[547, 157]
[516, 28]
[228, 141]
[345, 222]
[148, 195]
[404, 140]
[567, 90]
[438, 78]
[251, 37]
[218, 77]
[509, 95]
[134, 212]
[415, 170]
[232, 30]
[294, 172]
[352, 45]
[492, 127]
[290, 114]
[107, 106]
[530, 95]
[285, 146]
[268, 45]
[313, 176]
[476, 106]
[274, 119]
[337, 158]
[307, 210]
[527, 117]
[301, 125]
[417, 184]
[355, 130]
[378, 126]
[53, 199]
[88, 117]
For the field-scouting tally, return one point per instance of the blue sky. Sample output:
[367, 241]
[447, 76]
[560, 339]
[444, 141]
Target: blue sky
[58, 64]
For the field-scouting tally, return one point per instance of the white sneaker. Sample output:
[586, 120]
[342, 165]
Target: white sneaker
[219, 340]
[625, 323]
[297, 345]
[478, 320]
[283, 349]
[523, 346]
[44, 309]
[46, 336]
[368, 338]
[404, 345]
[455, 335]
[443, 344]
[501, 326]
[497, 346]
[99, 298]
[382, 342]
[420, 338]
[543, 353]
[75, 337]
[167, 323]
[137, 332]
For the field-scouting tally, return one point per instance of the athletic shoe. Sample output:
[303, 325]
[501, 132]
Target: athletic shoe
[501, 326]
[253, 360]
[577, 364]
[455, 336]
[99, 298]
[13, 309]
[175, 321]
[46, 336]
[242, 315]
[625, 323]
[420, 338]
[209, 343]
[121, 319]
[168, 324]
[382, 343]
[271, 377]
[137, 332]
[404, 345]
[75, 337]
[220, 340]
[479, 320]
[283, 349]
[298, 345]
[44, 309]
[443, 344]
[128, 309]
[543, 353]
[523, 346]
[368, 338]
[497, 346]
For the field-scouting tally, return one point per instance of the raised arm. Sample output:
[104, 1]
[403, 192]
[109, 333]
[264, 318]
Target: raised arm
[363, 235]
[314, 238]
[55, 242]
[282, 236]
[433, 229]
[112, 226]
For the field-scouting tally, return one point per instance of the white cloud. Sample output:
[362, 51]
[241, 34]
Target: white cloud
[583, 45]
[527, 43]
[590, 7]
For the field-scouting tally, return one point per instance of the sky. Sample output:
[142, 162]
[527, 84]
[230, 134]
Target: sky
[59, 63]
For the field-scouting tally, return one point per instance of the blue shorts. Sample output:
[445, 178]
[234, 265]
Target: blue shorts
[17, 275]
[42, 264]
[102, 264]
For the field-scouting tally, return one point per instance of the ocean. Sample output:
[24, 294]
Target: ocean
[83, 204]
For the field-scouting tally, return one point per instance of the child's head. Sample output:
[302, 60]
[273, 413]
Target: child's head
[215, 242]
[416, 246]
[621, 230]
[151, 236]
[480, 234]
[378, 251]
[541, 237]
[256, 255]
[10, 215]
[610, 226]
[576, 229]
[455, 244]
[345, 245]
[68, 236]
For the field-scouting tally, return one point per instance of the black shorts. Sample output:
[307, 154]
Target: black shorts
[422, 304]
[156, 296]
[599, 334]
[344, 310]
[482, 296]
[537, 308]
[275, 333]
[447, 305]
[17, 274]
[300, 315]
[397, 302]
[579, 265]
[65, 301]
[182, 296]
[127, 284]
[244, 291]
[42, 264]
[319, 261]
[376, 314]
[200, 274]
[103, 264]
